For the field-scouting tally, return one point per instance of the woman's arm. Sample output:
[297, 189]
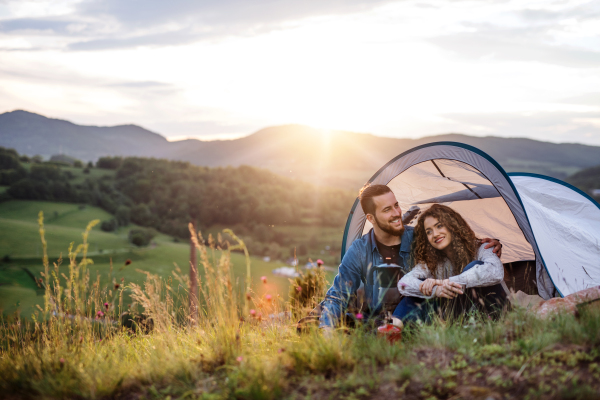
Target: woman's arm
[409, 284]
[491, 272]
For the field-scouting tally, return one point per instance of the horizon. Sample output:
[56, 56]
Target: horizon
[205, 139]
[218, 70]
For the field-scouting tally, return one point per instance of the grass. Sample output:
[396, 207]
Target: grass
[64, 223]
[230, 355]
[71, 350]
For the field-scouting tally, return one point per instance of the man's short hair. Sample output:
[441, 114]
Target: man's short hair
[366, 195]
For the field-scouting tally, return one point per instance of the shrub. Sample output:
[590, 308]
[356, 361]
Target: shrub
[45, 172]
[141, 237]
[123, 215]
[110, 225]
[307, 290]
[109, 162]
[10, 176]
[140, 214]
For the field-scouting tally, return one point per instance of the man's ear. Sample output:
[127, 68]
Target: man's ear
[370, 218]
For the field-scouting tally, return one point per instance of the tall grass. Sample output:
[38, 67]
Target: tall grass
[245, 346]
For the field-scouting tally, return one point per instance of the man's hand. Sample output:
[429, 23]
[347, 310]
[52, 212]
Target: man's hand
[448, 289]
[427, 286]
[495, 243]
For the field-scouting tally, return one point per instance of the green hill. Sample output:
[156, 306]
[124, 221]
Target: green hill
[333, 158]
[20, 241]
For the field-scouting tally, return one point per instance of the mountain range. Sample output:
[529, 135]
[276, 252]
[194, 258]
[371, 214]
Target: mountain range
[337, 158]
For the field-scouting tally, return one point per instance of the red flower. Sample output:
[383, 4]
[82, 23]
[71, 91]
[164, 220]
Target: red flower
[117, 286]
[100, 314]
[106, 305]
[268, 297]
[359, 316]
[298, 289]
[239, 359]
[252, 312]
[263, 279]
[128, 262]
[62, 360]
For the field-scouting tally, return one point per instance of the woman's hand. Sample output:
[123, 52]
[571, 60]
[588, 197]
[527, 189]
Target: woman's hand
[427, 286]
[448, 289]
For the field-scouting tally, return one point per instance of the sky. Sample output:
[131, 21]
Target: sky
[221, 69]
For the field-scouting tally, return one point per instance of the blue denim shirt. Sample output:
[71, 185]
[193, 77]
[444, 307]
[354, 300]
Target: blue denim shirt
[354, 269]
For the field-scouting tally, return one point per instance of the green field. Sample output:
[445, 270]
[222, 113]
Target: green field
[20, 246]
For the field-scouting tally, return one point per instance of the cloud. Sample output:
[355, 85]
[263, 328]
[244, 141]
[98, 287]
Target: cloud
[117, 24]
[561, 126]
[507, 45]
[221, 12]
[530, 35]
[141, 84]
[588, 99]
[35, 24]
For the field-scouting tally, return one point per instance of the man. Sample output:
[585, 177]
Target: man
[388, 242]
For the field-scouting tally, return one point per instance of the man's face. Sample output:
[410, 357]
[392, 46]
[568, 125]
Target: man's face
[388, 215]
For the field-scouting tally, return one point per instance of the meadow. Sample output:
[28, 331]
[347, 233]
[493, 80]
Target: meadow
[20, 246]
[245, 346]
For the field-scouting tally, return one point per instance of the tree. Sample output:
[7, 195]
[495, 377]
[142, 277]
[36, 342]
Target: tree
[123, 215]
[141, 236]
[109, 162]
[109, 226]
[140, 214]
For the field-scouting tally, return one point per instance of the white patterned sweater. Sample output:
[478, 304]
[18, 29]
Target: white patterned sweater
[490, 273]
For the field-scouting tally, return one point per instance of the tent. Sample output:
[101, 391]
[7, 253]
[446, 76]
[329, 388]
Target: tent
[537, 218]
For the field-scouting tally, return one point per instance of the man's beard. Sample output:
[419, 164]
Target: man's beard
[388, 229]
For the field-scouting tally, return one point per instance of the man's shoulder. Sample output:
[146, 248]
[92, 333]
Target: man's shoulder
[361, 243]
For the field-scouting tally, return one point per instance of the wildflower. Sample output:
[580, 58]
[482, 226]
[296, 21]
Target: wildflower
[263, 279]
[281, 350]
[298, 289]
[122, 280]
[117, 286]
[359, 316]
[100, 314]
[268, 297]
[106, 305]
[248, 296]
[128, 262]
[239, 359]
[319, 262]
[62, 360]
[252, 312]
[80, 339]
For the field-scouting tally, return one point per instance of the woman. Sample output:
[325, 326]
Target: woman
[451, 264]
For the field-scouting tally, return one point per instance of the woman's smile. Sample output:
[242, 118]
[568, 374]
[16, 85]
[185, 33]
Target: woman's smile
[437, 234]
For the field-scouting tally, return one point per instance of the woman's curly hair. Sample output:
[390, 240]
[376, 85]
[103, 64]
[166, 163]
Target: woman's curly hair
[464, 241]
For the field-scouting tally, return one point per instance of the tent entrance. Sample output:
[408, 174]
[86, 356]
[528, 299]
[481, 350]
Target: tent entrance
[466, 190]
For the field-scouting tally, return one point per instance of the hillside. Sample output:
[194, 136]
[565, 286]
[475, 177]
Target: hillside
[587, 179]
[32, 134]
[335, 158]
[276, 216]
[20, 246]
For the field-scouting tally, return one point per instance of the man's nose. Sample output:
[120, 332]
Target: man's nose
[397, 211]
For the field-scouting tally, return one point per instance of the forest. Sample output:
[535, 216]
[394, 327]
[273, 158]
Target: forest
[167, 195]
